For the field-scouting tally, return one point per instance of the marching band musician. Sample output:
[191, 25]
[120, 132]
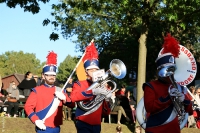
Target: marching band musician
[40, 100]
[88, 121]
[197, 106]
[157, 99]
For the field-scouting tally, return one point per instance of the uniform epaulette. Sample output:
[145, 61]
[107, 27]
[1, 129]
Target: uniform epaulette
[78, 82]
[147, 84]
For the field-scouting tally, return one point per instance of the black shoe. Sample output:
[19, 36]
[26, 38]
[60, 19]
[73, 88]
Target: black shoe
[127, 119]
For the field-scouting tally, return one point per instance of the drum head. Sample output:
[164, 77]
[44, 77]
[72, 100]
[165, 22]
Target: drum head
[186, 67]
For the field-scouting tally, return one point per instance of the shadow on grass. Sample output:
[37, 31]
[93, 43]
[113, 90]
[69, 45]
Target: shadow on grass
[131, 126]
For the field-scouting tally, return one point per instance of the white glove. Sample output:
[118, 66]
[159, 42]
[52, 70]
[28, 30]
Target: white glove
[174, 92]
[109, 95]
[40, 124]
[60, 95]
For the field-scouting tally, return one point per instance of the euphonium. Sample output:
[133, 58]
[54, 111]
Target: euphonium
[118, 70]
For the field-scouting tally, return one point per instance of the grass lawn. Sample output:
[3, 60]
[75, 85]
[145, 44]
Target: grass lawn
[23, 125]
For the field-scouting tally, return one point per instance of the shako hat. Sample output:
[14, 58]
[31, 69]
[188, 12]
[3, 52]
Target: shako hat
[169, 52]
[90, 59]
[51, 64]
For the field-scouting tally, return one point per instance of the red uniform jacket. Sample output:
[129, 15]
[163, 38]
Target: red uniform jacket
[159, 106]
[80, 93]
[40, 101]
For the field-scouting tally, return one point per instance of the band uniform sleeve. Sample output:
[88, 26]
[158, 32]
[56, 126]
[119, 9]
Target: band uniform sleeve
[151, 100]
[188, 104]
[79, 94]
[68, 102]
[30, 106]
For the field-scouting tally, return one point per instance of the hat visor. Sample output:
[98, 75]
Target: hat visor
[50, 73]
[92, 67]
[166, 65]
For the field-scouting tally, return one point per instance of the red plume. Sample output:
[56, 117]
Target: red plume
[171, 45]
[51, 58]
[91, 52]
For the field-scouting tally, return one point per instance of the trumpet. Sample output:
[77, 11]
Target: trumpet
[118, 70]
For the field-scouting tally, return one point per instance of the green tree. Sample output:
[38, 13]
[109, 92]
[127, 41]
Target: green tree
[66, 67]
[19, 62]
[121, 23]
[28, 5]
[124, 23]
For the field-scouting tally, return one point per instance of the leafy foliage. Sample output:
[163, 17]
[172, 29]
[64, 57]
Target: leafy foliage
[66, 68]
[19, 62]
[117, 25]
[28, 5]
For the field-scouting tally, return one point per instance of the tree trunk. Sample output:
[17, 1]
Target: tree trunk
[141, 65]
[142, 61]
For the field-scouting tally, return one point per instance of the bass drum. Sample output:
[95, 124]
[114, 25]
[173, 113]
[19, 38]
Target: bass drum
[141, 113]
[141, 116]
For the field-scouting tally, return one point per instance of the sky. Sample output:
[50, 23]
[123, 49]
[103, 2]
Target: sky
[24, 31]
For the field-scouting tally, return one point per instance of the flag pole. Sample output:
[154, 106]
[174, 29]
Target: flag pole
[75, 67]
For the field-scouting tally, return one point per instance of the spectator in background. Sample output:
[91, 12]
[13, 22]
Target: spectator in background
[3, 94]
[124, 102]
[191, 119]
[132, 104]
[132, 84]
[121, 92]
[41, 80]
[134, 90]
[37, 80]
[1, 91]
[119, 109]
[197, 106]
[27, 84]
[115, 105]
[193, 90]
[12, 99]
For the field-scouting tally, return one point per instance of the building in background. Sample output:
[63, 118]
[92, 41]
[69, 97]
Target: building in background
[17, 78]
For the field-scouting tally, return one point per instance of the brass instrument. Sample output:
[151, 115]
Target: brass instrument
[168, 71]
[118, 70]
[178, 105]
